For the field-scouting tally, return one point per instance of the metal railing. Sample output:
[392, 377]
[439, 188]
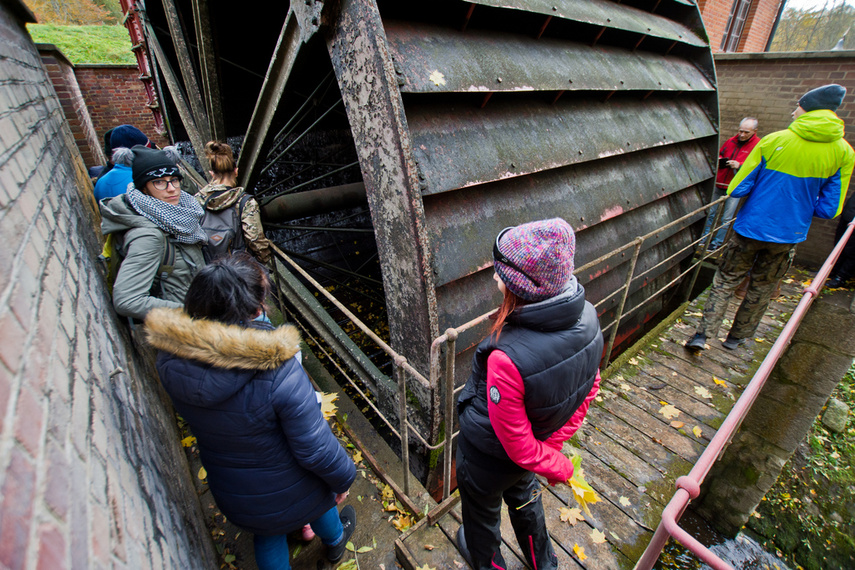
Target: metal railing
[688, 486]
[404, 427]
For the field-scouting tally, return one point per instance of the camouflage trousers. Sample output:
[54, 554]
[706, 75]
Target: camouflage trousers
[766, 263]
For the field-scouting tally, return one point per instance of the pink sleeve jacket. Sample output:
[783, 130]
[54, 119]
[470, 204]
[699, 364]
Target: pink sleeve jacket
[513, 428]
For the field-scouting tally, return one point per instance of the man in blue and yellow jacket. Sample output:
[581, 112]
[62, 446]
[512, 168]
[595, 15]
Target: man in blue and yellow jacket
[790, 177]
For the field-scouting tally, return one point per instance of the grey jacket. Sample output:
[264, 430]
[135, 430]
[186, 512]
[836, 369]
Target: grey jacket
[144, 244]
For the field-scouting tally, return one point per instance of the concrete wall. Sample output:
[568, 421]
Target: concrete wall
[92, 474]
[768, 86]
[758, 24]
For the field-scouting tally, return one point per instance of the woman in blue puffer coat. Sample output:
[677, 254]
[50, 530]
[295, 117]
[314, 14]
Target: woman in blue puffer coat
[273, 463]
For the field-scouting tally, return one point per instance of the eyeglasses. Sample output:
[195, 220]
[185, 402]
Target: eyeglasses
[162, 184]
[502, 258]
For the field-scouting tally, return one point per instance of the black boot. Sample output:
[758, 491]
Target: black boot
[461, 546]
[348, 523]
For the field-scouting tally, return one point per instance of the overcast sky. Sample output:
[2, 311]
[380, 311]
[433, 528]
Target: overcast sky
[803, 4]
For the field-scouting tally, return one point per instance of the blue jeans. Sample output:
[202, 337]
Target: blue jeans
[271, 552]
[730, 206]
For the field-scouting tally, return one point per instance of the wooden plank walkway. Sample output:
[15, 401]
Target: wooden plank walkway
[632, 453]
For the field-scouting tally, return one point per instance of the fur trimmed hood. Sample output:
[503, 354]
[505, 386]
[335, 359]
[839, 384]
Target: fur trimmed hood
[218, 344]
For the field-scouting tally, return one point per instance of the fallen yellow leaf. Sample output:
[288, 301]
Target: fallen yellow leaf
[624, 501]
[569, 515]
[328, 408]
[598, 536]
[697, 431]
[188, 441]
[677, 425]
[626, 387]
[721, 383]
[402, 522]
[357, 456]
[425, 567]
[702, 392]
[387, 494]
[579, 551]
[633, 361]
[437, 77]
[669, 411]
[758, 339]
[202, 473]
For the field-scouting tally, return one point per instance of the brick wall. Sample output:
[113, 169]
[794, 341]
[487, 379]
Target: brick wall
[758, 25]
[768, 86]
[61, 73]
[92, 474]
[116, 96]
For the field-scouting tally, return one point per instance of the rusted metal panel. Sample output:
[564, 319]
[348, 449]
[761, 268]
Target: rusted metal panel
[188, 73]
[301, 23]
[462, 146]
[607, 14]
[432, 59]
[209, 78]
[175, 90]
[473, 294]
[366, 76]
[585, 195]
[268, 100]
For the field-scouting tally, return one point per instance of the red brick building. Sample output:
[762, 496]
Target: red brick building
[96, 98]
[739, 25]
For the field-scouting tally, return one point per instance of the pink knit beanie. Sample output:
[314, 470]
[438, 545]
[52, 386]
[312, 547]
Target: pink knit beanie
[535, 260]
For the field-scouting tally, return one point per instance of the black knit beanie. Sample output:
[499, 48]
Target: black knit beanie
[826, 97]
[151, 163]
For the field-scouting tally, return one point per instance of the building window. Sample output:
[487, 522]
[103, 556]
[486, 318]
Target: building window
[735, 24]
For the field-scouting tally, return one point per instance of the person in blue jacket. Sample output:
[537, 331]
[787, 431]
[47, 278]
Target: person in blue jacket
[790, 177]
[117, 175]
[272, 460]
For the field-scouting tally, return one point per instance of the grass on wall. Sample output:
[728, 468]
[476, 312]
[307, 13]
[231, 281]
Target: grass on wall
[87, 44]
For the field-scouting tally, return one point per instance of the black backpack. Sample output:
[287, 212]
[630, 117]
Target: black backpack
[224, 228]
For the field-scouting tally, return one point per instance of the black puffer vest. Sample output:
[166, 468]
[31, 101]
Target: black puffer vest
[556, 345]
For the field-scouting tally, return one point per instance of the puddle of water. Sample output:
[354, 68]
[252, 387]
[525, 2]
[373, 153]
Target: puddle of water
[742, 552]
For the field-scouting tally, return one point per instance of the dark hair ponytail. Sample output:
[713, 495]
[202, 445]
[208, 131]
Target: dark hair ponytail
[230, 290]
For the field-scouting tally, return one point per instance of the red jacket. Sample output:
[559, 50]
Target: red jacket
[731, 150]
[513, 428]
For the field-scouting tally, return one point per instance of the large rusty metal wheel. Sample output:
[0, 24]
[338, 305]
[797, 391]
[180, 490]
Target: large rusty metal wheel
[468, 116]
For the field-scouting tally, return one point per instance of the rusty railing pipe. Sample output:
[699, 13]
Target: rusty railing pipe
[619, 313]
[450, 353]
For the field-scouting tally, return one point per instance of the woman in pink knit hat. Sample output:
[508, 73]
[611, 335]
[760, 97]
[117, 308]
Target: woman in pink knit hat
[532, 381]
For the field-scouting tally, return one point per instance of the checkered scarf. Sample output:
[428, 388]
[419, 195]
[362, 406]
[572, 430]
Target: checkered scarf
[181, 221]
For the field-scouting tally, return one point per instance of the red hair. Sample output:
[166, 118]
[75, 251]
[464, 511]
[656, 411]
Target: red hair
[509, 304]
